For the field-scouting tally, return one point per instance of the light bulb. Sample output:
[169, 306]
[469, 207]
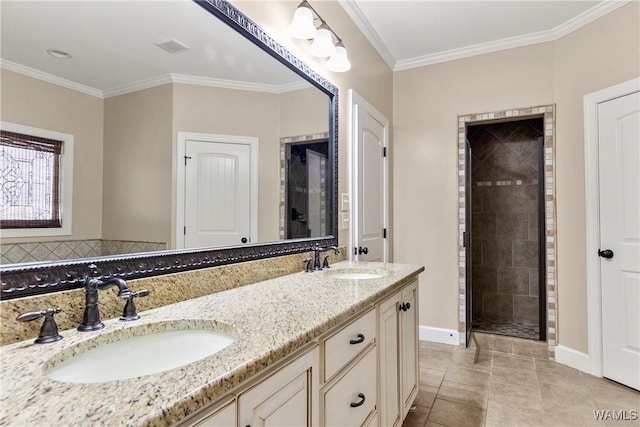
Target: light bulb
[322, 45]
[339, 61]
[302, 26]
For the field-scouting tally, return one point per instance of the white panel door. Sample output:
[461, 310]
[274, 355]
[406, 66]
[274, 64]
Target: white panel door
[370, 182]
[619, 165]
[217, 194]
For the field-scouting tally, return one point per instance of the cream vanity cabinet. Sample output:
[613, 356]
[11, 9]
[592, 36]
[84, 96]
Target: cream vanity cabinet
[398, 353]
[361, 373]
[287, 396]
[348, 395]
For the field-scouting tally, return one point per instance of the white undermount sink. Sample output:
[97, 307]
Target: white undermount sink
[357, 276]
[353, 273]
[142, 354]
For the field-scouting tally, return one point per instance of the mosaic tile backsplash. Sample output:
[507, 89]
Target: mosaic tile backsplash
[13, 253]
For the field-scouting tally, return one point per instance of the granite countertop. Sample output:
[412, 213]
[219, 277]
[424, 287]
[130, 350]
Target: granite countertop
[270, 320]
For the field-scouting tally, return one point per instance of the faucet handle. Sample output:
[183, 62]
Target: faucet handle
[130, 313]
[49, 330]
[325, 262]
[308, 267]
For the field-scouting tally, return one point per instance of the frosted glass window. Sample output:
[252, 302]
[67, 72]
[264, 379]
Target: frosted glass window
[29, 181]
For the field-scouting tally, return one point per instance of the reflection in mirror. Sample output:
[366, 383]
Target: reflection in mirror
[140, 75]
[306, 168]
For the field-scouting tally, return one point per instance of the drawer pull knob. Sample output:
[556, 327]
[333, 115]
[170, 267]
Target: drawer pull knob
[356, 404]
[358, 341]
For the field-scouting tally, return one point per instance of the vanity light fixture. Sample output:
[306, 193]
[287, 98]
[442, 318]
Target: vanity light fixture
[302, 27]
[60, 54]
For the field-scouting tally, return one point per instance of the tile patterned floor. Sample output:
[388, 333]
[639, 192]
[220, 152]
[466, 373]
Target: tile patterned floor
[511, 329]
[462, 387]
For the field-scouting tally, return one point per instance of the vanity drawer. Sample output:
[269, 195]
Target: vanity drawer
[339, 350]
[356, 387]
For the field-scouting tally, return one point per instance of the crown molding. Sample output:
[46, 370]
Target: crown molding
[49, 78]
[356, 15]
[152, 82]
[590, 15]
[139, 85]
[474, 50]
[561, 30]
[238, 85]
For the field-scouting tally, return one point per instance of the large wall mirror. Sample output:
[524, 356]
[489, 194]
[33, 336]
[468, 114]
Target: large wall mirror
[197, 140]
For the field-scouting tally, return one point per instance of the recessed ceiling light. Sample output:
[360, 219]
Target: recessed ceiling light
[58, 54]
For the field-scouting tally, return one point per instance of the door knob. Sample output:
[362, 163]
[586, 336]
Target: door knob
[244, 240]
[607, 253]
[362, 250]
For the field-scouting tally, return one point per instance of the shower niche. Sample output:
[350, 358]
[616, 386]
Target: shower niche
[505, 214]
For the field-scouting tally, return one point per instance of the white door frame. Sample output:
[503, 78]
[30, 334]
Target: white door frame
[592, 198]
[181, 140]
[355, 102]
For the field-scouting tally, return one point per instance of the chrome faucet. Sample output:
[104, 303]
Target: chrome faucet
[91, 318]
[317, 250]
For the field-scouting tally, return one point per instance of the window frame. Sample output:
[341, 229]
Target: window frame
[65, 190]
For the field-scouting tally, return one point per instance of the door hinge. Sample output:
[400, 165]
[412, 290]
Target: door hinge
[384, 233]
[185, 230]
[384, 151]
[185, 159]
[464, 239]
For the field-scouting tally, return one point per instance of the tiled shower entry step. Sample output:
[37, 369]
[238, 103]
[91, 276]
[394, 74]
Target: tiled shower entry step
[511, 329]
[510, 345]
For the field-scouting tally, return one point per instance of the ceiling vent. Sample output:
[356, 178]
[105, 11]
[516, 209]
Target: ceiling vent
[172, 45]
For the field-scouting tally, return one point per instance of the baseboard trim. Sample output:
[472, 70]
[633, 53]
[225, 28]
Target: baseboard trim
[444, 336]
[573, 358]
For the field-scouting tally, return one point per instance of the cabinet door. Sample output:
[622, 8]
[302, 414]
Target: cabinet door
[224, 417]
[288, 397]
[388, 349]
[409, 345]
[218, 415]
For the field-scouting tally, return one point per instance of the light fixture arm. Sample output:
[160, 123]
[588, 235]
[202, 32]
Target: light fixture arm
[306, 4]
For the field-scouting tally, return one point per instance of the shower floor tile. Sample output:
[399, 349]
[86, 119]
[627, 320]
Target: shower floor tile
[511, 329]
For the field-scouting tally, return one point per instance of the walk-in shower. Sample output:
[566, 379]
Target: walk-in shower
[506, 223]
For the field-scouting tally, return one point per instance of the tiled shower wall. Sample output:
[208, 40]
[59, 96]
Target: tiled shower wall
[284, 216]
[505, 239]
[13, 253]
[547, 112]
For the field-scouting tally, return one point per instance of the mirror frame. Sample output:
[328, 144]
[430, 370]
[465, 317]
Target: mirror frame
[55, 276]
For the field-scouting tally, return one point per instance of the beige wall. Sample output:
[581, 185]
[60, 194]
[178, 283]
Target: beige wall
[599, 55]
[303, 112]
[137, 166]
[427, 101]
[369, 75]
[241, 113]
[138, 150]
[140, 132]
[31, 102]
